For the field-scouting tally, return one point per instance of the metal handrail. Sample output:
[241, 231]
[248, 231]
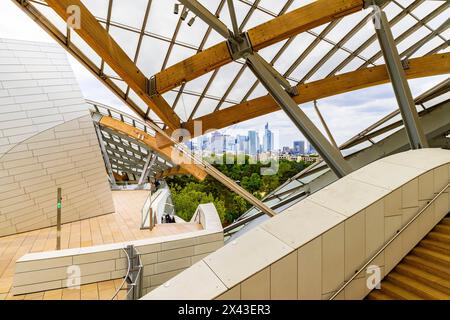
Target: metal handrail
[389, 242]
[134, 285]
[152, 197]
[126, 276]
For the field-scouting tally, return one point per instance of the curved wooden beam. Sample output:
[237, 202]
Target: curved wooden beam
[169, 153]
[92, 32]
[426, 66]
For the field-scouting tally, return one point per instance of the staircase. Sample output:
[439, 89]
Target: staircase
[424, 274]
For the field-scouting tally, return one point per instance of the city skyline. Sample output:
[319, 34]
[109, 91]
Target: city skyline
[253, 143]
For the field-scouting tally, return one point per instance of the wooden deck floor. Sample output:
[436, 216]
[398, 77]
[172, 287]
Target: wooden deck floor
[123, 225]
[95, 291]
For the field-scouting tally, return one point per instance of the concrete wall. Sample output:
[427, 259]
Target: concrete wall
[310, 250]
[47, 140]
[162, 258]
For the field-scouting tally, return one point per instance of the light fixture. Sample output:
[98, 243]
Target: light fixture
[176, 8]
[184, 15]
[191, 21]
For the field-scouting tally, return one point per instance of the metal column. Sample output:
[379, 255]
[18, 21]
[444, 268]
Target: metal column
[58, 218]
[327, 151]
[233, 18]
[402, 91]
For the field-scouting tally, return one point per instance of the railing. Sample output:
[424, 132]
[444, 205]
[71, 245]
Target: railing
[388, 243]
[133, 277]
[131, 187]
[147, 212]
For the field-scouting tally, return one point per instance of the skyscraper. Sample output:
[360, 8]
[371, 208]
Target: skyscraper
[299, 147]
[268, 143]
[312, 150]
[218, 143]
[253, 142]
[242, 144]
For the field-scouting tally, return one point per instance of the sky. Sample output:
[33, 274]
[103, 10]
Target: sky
[345, 114]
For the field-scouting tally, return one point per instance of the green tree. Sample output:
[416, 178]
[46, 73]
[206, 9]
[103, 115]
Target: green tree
[187, 200]
[188, 193]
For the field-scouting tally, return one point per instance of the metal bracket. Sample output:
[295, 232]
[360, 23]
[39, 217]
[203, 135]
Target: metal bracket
[96, 117]
[405, 64]
[240, 49]
[151, 87]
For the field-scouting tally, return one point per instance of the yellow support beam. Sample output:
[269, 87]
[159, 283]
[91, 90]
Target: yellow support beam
[301, 20]
[169, 153]
[264, 35]
[426, 66]
[104, 45]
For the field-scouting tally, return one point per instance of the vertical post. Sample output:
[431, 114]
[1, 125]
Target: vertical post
[151, 218]
[396, 73]
[135, 276]
[58, 219]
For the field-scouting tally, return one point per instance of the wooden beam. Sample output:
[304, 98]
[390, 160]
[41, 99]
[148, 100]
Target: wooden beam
[418, 67]
[169, 153]
[171, 172]
[301, 20]
[104, 45]
[264, 35]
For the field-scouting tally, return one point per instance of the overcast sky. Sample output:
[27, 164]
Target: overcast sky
[345, 114]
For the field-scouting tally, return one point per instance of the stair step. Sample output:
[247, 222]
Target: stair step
[379, 295]
[441, 247]
[416, 287]
[432, 255]
[426, 278]
[398, 292]
[443, 228]
[428, 266]
[438, 236]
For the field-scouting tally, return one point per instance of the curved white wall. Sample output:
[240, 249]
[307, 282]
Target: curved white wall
[311, 249]
[47, 140]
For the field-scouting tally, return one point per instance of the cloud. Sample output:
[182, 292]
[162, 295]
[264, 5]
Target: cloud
[346, 114]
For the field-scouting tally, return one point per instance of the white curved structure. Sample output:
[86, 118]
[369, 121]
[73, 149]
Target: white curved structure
[47, 140]
[309, 251]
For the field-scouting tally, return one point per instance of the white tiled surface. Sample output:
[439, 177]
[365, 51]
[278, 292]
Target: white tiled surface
[47, 140]
[327, 252]
[255, 249]
[162, 258]
[37, 89]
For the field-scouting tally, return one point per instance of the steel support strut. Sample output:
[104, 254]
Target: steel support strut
[204, 14]
[397, 76]
[330, 154]
[233, 18]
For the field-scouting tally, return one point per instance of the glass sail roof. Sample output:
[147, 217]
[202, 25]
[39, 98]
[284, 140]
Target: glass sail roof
[156, 38]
